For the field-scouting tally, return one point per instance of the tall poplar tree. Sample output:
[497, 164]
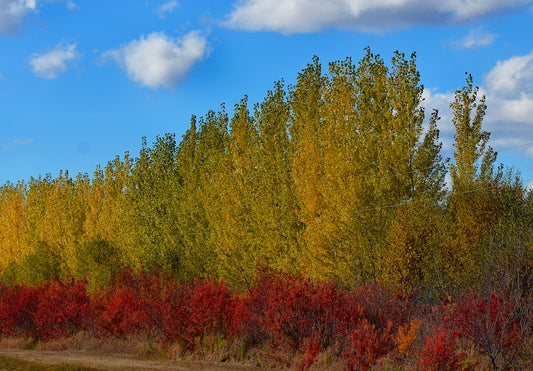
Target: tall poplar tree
[12, 236]
[191, 221]
[240, 249]
[153, 188]
[280, 226]
[308, 168]
[474, 180]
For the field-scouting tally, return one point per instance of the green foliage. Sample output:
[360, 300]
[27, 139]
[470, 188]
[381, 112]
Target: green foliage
[98, 261]
[41, 265]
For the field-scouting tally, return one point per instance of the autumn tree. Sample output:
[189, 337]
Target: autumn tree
[151, 194]
[278, 230]
[306, 99]
[239, 252]
[12, 233]
[474, 183]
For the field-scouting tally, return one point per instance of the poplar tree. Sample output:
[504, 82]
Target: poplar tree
[474, 159]
[213, 145]
[41, 260]
[152, 190]
[474, 182]
[240, 249]
[12, 236]
[191, 220]
[280, 226]
[116, 215]
[308, 171]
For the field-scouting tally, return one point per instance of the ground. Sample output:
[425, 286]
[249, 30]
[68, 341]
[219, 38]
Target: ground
[113, 362]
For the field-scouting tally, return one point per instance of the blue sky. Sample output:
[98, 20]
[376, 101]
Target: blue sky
[82, 81]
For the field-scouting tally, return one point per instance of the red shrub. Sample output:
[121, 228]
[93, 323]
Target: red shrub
[290, 311]
[439, 352]
[368, 344]
[124, 314]
[368, 321]
[157, 306]
[62, 310]
[17, 305]
[210, 305]
[133, 305]
[175, 311]
[384, 307]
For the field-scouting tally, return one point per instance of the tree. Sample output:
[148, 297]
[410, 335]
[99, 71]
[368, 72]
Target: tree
[239, 251]
[12, 236]
[278, 231]
[308, 171]
[473, 159]
[474, 181]
[152, 193]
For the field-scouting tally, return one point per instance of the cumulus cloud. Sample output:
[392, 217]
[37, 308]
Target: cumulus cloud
[49, 65]
[157, 60]
[476, 38]
[509, 90]
[12, 13]
[512, 78]
[165, 8]
[292, 16]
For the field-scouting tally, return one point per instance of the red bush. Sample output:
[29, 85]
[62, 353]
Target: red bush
[175, 311]
[368, 344]
[132, 306]
[290, 311]
[439, 352]
[17, 306]
[124, 314]
[211, 307]
[157, 306]
[63, 309]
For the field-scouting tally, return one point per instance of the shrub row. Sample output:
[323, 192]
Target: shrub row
[286, 314]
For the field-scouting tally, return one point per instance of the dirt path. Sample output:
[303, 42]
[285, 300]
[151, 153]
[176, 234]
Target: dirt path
[113, 362]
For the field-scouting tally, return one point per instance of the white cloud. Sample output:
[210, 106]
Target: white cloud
[12, 13]
[17, 143]
[476, 38]
[509, 91]
[291, 16]
[512, 78]
[167, 7]
[49, 65]
[158, 60]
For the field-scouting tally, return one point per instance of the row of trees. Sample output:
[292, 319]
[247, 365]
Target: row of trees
[340, 176]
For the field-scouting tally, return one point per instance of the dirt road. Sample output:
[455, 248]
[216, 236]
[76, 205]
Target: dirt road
[112, 362]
